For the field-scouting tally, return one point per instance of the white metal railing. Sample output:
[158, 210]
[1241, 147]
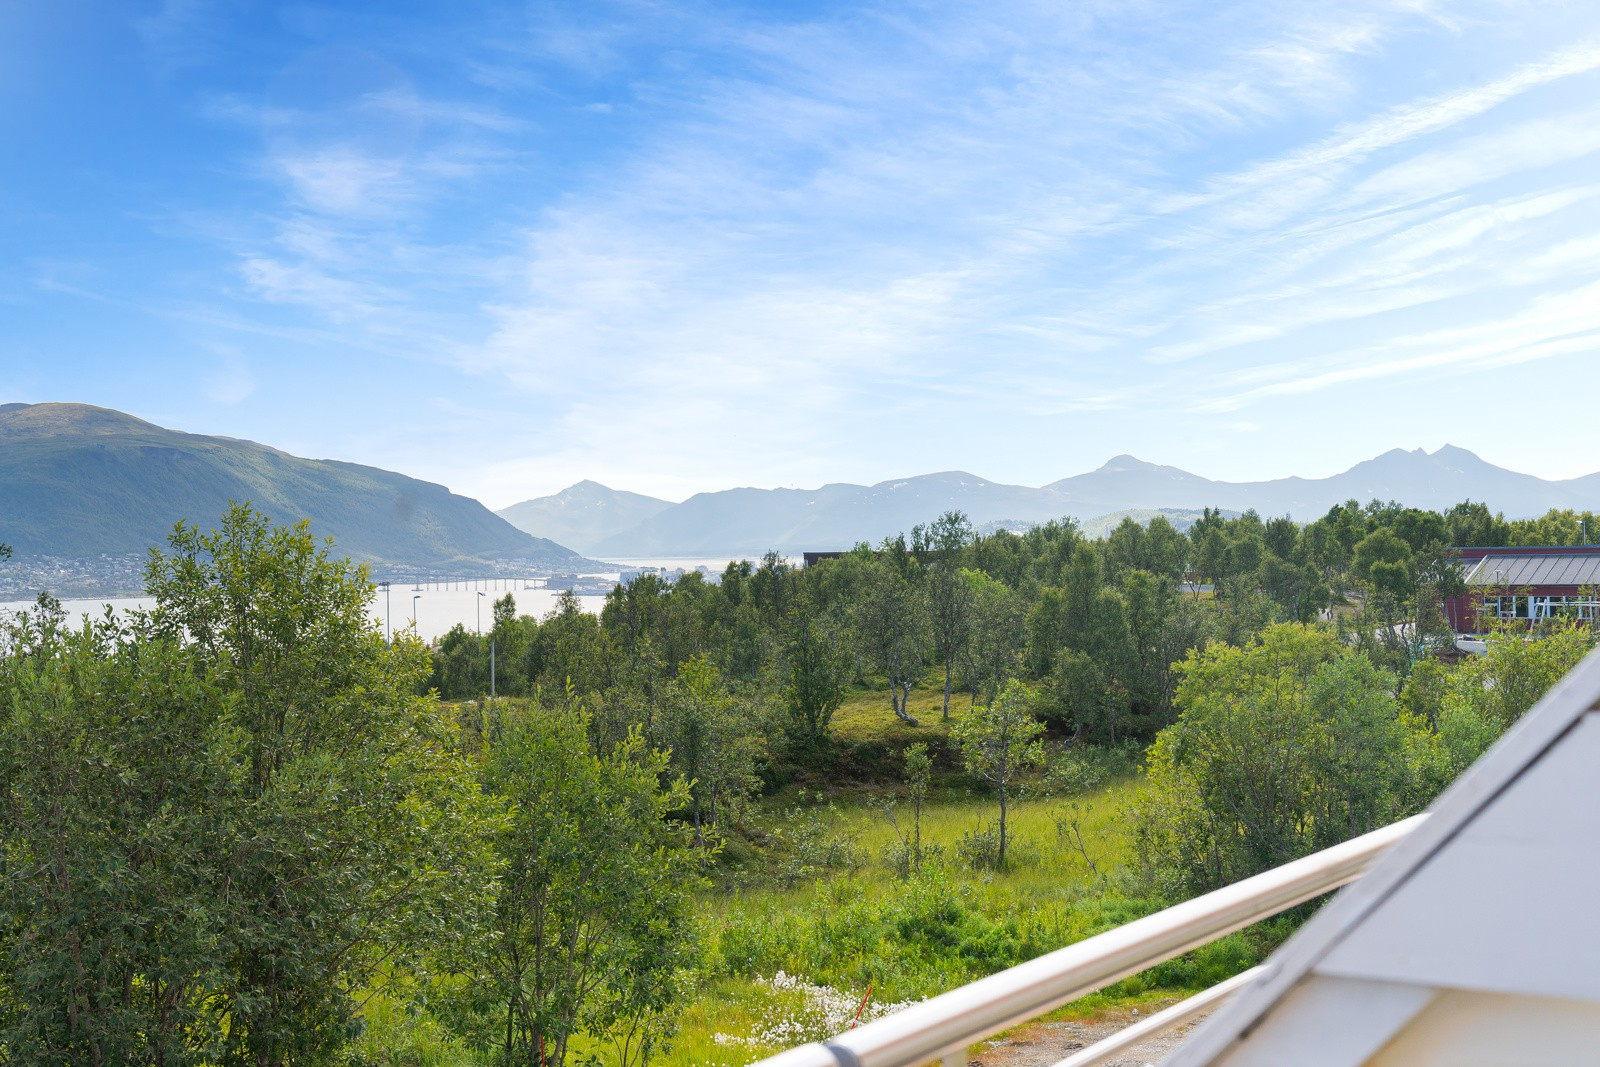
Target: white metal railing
[943, 1027]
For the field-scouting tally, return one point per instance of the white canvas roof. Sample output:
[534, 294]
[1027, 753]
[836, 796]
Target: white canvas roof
[1476, 941]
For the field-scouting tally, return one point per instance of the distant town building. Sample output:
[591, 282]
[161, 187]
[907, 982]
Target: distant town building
[1529, 584]
[813, 557]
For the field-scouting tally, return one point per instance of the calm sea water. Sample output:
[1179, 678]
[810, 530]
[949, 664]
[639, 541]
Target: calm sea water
[434, 608]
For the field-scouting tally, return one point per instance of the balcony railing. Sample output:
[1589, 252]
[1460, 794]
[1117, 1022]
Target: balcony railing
[943, 1027]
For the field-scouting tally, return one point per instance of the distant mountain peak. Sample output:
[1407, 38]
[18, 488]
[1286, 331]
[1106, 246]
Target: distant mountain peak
[80, 481]
[936, 478]
[1125, 462]
[751, 521]
[76, 420]
[583, 513]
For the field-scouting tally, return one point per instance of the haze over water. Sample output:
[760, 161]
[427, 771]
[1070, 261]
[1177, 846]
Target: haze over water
[439, 606]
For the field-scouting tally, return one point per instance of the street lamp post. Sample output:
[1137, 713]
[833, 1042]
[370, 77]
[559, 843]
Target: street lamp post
[415, 597]
[386, 628]
[480, 613]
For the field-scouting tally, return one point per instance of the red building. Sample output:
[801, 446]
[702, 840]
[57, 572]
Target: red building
[1528, 583]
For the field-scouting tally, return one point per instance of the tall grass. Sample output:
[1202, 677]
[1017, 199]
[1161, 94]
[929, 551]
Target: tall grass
[787, 965]
[906, 939]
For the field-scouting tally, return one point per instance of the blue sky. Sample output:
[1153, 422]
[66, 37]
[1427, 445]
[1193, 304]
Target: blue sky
[685, 246]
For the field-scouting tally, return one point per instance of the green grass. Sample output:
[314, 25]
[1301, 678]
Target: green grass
[868, 739]
[845, 931]
[865, 715]
[1042, 864]
[841, 931]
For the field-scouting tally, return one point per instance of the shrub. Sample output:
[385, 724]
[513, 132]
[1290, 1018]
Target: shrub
[979, 849]
[808, 841]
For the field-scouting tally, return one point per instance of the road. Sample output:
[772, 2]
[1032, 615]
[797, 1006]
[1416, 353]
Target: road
[1043, 1044]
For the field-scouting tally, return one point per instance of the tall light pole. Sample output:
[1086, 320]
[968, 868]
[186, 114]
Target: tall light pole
[491, 644]
[416, 597]
[386, 629]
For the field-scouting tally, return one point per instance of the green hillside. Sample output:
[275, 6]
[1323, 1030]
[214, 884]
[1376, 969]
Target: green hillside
[80, 482]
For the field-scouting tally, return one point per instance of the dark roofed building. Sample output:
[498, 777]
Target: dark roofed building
[1530, 583]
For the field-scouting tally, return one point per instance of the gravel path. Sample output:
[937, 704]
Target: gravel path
[1046, 1043]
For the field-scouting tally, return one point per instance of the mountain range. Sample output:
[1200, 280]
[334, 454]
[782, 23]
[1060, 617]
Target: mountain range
[81, 482]
[583, 514]
[605, 523]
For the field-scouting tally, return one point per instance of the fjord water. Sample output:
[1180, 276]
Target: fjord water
[439, 606]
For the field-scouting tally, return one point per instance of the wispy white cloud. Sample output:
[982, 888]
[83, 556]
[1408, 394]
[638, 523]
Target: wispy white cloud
[1548, 326]
[341, 299]
[1399, 125]
[835, 236]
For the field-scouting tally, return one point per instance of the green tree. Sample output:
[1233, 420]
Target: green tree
[1402, 615]
[571, 648]
[819, 667]
[1000, 741]
[1081, 693]
[1211, 554]
[1280, 748]
[712, 736]
[1161, 630]
[1501, 685]
[116, 755]
[1167, 550]
[592, 925]
[1245, 553]
[949, 593]
[352, 833]
[1471, 704]
[999, 634]
[890, 623]
[1384, 561]
[1331, 540]
[1126, 548]
[906, 855]
[1471, 524]
[918, 775]
[1283, 537]
[1295, 588]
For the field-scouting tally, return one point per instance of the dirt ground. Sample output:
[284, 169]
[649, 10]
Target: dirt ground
[1046, 1043]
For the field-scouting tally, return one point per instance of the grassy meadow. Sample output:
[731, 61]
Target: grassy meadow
[787, 964]
[807, 910]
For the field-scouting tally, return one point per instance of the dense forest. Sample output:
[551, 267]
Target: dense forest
[241, 828]
[1094, 627]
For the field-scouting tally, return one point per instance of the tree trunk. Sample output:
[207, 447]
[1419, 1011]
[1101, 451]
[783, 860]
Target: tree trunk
[1000, 861]
[946, 690]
